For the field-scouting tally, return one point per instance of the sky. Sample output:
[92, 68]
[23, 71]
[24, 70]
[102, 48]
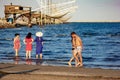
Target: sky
[88, 10]
[97, 10]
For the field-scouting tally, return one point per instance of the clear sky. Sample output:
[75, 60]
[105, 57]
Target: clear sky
[88, 10]
[97, 10]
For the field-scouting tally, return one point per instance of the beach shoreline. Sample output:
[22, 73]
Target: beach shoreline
[38, 72]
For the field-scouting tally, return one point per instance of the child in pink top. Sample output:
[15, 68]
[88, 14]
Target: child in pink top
[17, 44]
[28, 41]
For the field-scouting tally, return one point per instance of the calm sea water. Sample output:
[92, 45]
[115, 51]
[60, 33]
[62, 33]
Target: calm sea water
[101, 44]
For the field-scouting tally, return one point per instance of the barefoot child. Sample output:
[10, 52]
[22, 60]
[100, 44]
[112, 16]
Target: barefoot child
[39, 44]
[28, 41]
[17, 44]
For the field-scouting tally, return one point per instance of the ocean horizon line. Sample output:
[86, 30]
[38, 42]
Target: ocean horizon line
[94, 21]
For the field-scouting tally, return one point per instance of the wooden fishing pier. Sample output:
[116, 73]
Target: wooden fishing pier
[46, 14]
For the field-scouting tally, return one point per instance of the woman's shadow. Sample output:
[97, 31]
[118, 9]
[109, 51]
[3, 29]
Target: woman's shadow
[39, 61]
[16, 60]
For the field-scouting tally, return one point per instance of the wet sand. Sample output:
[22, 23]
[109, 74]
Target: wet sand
[38, 72]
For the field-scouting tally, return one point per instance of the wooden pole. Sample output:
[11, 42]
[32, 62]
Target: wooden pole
[30, 16]
[49, 9]
[45, 12]
[14, 17]
[41, 16]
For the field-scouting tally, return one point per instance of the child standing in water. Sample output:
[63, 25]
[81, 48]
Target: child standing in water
[28, 41]
[39, 44]
[17, 44]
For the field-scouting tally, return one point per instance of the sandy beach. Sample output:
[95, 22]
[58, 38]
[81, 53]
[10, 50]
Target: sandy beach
[38, 72]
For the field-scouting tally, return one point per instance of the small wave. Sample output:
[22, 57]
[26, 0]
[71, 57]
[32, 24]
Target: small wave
[89, 59]
[6, 39]
[116, 56]
[117, 34]
[91, 45]
[1, 43]
[4, 44]
[55, 60]
[61, 35]
[111, 59]
[48, 36]
[47, 40]
[8, 54]
[113, 42]
[7, 58]
[102, 38]
[104, 66]
[47, 52]
[90, 34]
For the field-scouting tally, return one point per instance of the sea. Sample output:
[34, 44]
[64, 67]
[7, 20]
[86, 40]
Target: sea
[101, 44]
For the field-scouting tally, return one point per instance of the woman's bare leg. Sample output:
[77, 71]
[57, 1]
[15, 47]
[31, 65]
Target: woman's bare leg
[76, 57]
[16, 52]
[69, 63]
[71, 59]
[36, 56]
[80, 61]
[41, 56]
[29, 54]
